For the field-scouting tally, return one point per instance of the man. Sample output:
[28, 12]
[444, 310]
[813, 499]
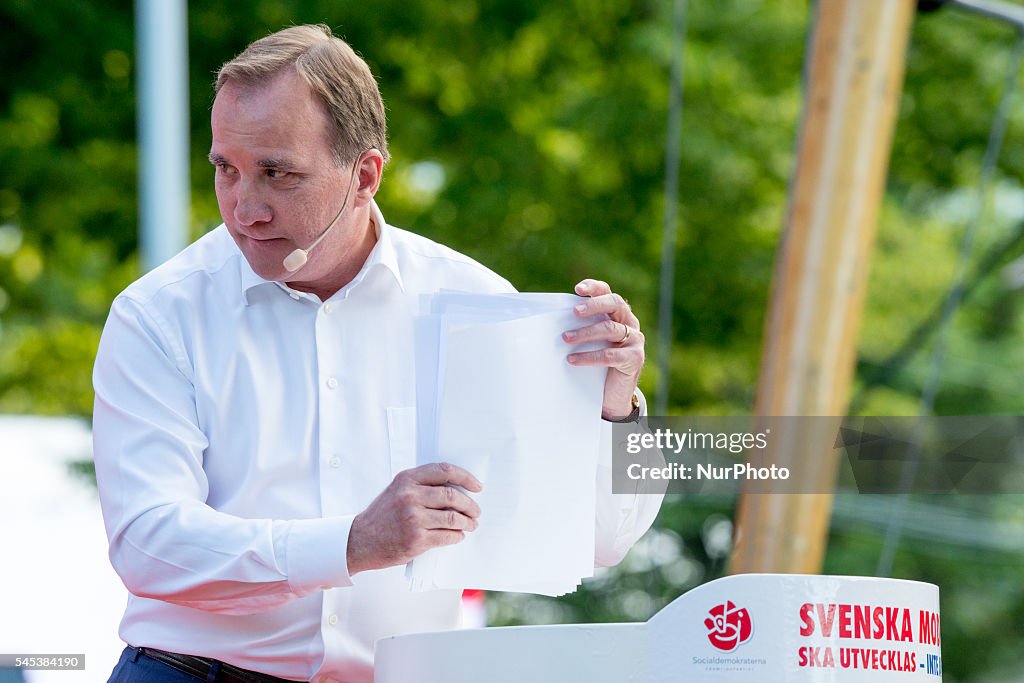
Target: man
[255, 408]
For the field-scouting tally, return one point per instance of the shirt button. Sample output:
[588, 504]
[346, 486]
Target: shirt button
[335, 461]
[332, 383]
[332, 620]
[293, 295]
[328, 307]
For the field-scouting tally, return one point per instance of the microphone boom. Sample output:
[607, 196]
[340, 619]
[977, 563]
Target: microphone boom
[298, 258]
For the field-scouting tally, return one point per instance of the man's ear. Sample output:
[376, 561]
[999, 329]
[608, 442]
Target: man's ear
[369, 170]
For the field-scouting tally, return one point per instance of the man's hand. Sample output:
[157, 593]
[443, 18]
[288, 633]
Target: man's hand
[416, 512]
[624, 358]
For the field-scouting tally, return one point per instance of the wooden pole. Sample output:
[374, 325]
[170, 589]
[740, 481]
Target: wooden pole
[854, 80]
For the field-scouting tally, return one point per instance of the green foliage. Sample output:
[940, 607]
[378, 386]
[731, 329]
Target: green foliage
[530, 135]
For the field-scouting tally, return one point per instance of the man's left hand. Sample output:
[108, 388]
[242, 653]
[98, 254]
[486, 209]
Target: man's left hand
[624, 357]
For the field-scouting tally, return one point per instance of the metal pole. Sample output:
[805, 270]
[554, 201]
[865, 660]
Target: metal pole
[997, 9]
[668, 241]
[161, 48]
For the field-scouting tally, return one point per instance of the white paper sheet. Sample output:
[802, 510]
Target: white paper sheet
[509, 408]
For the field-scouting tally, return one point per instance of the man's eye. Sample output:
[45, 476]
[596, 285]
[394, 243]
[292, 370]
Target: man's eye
[276, 173]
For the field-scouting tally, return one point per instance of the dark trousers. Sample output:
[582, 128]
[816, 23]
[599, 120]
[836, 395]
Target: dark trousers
[134, 668]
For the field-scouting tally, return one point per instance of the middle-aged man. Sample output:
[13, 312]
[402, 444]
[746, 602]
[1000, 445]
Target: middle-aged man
[255, 400]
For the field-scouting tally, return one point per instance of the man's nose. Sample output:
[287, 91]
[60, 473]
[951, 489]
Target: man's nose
[250, 207]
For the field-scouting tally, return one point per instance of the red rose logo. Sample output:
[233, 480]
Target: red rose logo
[728, 626]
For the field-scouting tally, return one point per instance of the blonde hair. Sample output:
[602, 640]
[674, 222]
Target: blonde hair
[335, 73]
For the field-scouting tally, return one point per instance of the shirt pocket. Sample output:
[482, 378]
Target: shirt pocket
[402, 438]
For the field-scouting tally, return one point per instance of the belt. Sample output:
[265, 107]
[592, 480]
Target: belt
[200, 667]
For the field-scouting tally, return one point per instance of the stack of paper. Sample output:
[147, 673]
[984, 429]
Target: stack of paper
[496, 396]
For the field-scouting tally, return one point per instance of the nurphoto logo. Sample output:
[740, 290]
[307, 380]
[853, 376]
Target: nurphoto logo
[728, 626]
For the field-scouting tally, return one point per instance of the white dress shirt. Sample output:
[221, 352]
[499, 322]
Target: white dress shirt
[240, 426]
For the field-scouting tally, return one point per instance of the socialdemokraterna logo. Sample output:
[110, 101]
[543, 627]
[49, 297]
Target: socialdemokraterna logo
[728, 626]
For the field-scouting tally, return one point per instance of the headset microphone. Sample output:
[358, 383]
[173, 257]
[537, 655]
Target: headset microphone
[295, 260]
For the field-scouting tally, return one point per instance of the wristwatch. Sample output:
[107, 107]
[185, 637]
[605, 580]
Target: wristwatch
[634, 415]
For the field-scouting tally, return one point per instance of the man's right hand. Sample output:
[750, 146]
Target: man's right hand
[416, 512]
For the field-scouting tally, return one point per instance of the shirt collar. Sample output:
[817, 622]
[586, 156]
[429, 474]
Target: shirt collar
[383, 254]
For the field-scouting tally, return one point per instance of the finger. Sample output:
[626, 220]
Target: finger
[591, 287]
[439, 537]
[627, 359]
[606, 330]
[437, 473]
[449, 497]
[447, 519]
[611, 304]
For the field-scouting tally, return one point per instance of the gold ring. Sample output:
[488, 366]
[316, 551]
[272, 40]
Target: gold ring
[625, 336]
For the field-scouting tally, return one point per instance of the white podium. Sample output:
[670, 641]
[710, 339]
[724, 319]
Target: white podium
[754, 627]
